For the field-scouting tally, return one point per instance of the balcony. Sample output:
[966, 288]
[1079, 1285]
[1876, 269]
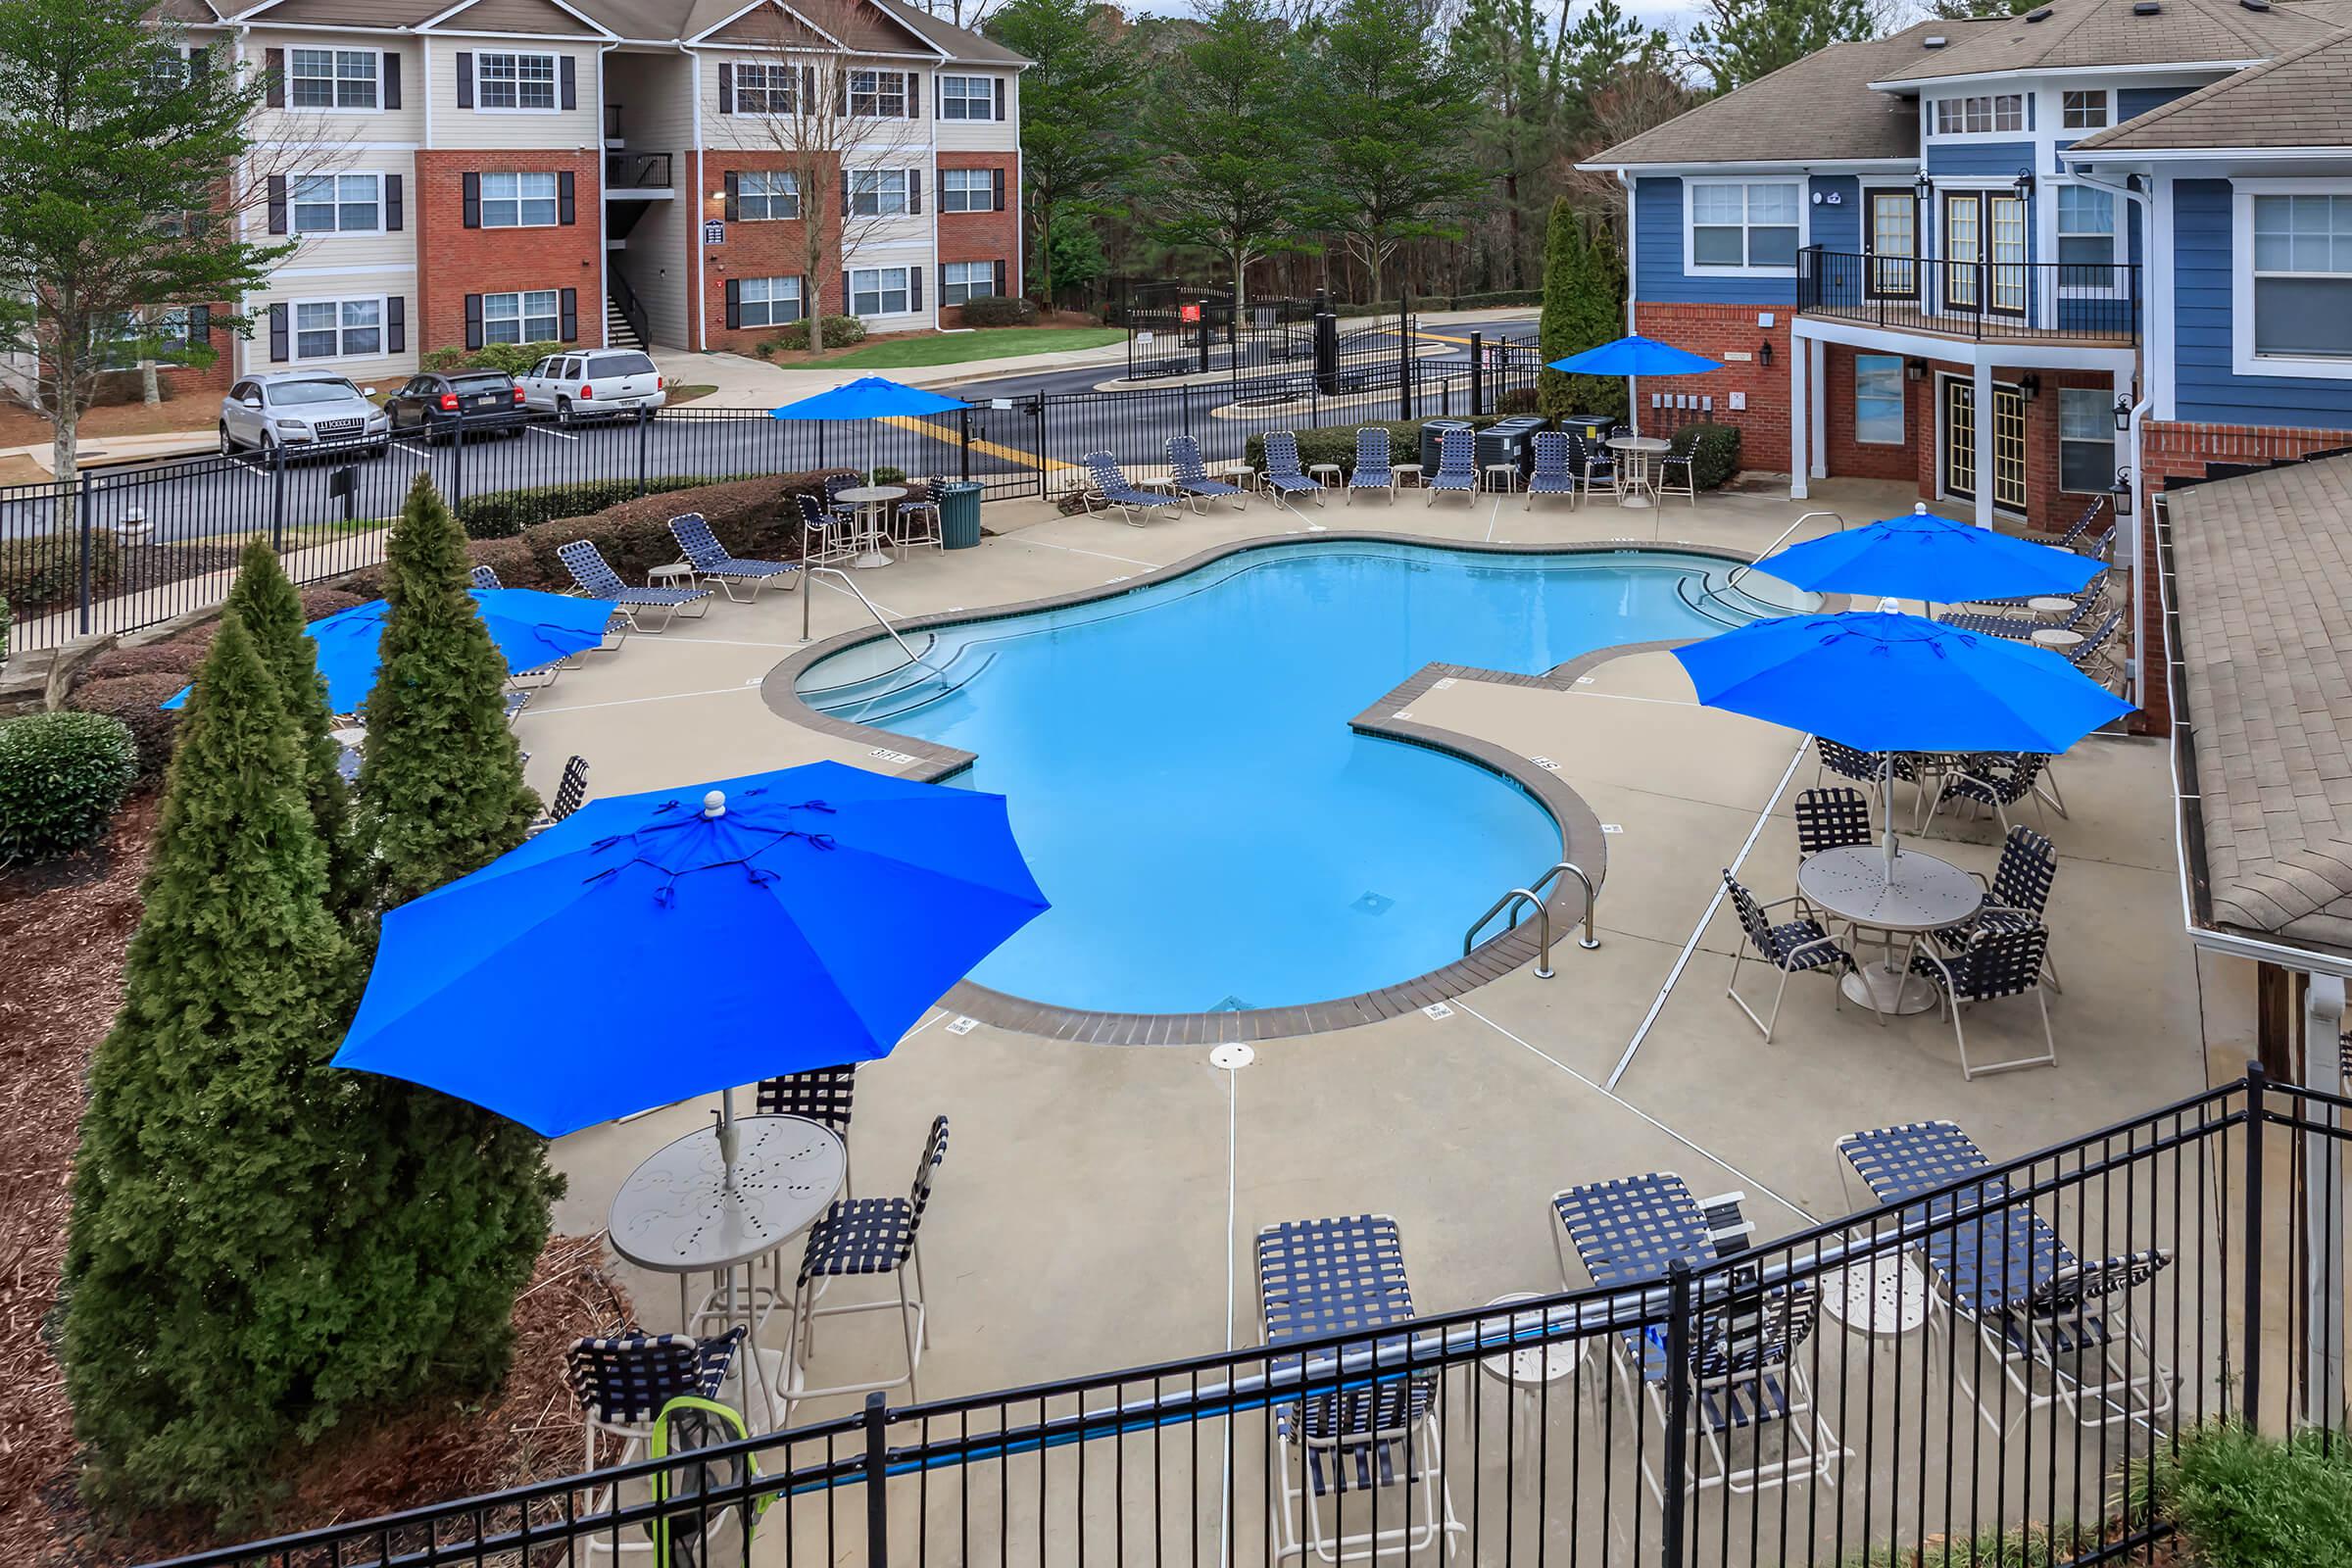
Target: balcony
[641, 176]
[2053, 302]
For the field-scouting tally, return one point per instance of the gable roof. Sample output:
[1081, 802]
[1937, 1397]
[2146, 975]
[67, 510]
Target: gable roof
[882, 27]
[2302, 99]
[2073, 34]
[1816, 109]
[538, 17]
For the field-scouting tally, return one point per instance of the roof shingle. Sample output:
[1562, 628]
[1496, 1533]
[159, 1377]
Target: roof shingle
[2302, 99]
[2077, 33]
[1814, 109]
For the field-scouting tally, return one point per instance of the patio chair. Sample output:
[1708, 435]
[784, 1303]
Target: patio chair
[2089, 654]
[483, 577]
[1744, 1375]
[2102, 548]
[623, 1383]
[1995, 779]
[1836, 757]
[1107, 484]
[1728, 1229]
[1283, 474]
[2015, 898]
[916, 524]
[1992, 965]
[822, 1095]
[1836, 817]
[1381, 1428]
[1458, 465]
[2082, 526]
[571, 792]
[1596, 466]
[826, 535]
[1792, 946]
[1372, 471]
[867, 1238]
[1551, 475]
[1679, 459]
[598, 580]
[712, 563]
[2005, 1271]
[1190, 476]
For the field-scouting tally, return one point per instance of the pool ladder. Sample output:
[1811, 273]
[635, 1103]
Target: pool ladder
[1532, 897]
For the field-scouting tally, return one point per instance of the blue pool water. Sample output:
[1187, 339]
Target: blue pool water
[1183, 780]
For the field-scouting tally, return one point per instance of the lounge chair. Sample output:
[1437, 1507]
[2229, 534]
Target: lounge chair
[2004, 1270]
[1458, 465]
[2102, 548]
[598, 580]
[516, 700]
[1551, 475]
[572, 790]
[1189, 475]
[1792, 946]
[2016, 898]
[1372, 471]
[2082, 526]
[1283, 475]
[2021, 628]
[868, 1238]
[2094, 646]
[1367, 1430]
[712, 563]
[616, 630]
[1108, 486]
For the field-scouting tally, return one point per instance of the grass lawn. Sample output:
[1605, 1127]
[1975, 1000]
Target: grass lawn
[992, 343]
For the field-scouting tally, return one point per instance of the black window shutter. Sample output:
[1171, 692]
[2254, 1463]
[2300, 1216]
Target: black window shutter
[274, 67]
[915, 96]
[200, 324]
[277, 335]
[727, 89]
[914, 192]
[801, 290]
[845, 193]
[199, 64]
[734, 302]
[565, 208]
[939, 97]
[808, 98]
[846, 302]
[393, 216]
[396, 324]
[1000, 97]
[733, 200]
[999, 280]
[841, 94]
[474, 320]
[472, 188]
[391, 79]
[999, 174]
[466, 85]
[914, 289]
[568, 79]
[277, 204]
[571, 314]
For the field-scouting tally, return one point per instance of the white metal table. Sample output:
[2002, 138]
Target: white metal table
[1529, 1371]
[2049, 607]
[1633, 482]
[1923, 894]
[1885, 1296]
[870, 500]
[2057, 639]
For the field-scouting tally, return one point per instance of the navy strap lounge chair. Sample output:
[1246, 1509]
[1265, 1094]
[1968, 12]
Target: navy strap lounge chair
[598, 580]
[1458, 465]
[616, 630]
[1551, 476]
[1283, 475]
[867, 1238]
[484, 577]
[2007, 1273]
[1191, 475]
[1108, 486]
[2082, 525]
[1374, 1428]
[712, 563]
[2021, 628]
[1372, 471]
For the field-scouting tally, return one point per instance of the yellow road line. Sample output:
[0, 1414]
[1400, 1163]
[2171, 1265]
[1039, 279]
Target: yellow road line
[908, 421]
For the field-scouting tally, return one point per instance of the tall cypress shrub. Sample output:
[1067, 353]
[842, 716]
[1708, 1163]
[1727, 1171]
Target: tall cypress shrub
[1563, 267]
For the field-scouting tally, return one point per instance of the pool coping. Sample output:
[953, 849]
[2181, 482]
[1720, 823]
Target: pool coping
[1581, 838]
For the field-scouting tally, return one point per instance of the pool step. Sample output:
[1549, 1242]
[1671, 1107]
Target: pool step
[893, 694]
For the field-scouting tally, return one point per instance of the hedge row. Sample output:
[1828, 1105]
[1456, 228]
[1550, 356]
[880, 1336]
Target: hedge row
[42, 573]
[999, 309]
[840, 332]
[503, 514]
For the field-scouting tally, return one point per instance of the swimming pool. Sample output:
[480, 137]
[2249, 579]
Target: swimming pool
[1183, 779]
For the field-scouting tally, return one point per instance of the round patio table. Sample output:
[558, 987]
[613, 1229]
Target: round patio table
[1923, 894]
[1883, 1296]
[1528, 1371]
[870, 499]
[2049, 607]
[1633, 485]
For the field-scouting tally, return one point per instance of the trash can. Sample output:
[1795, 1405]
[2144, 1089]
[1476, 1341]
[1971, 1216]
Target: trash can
[1432, 434]
[960, 514]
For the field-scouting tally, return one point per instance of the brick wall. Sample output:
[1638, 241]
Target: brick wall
[1874, 460]
[1719, 331]
[205, 382]
[989, 237]
[765, 248]
[454, 261]
[2178, 450]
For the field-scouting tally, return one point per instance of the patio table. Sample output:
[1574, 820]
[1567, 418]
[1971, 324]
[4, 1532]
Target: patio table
[1923, 894]
[1528, 1371]
[870, 500]
[1633, 485]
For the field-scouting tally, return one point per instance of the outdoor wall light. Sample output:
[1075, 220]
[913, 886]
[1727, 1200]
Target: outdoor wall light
[1764, 355]
[1923, 187]
[2025, 183]
[1915, 370]
[2122, 415]
[2028, 386]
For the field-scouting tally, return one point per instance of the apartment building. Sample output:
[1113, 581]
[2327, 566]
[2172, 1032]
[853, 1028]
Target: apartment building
[600, 172]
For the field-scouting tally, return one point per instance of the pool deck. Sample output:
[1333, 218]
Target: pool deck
[1097, 1201]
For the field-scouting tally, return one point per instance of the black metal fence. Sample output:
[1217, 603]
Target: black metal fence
[1992, 1356]
[2087, 301]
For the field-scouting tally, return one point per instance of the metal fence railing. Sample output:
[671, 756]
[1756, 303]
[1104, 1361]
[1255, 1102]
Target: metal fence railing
[2094, 302]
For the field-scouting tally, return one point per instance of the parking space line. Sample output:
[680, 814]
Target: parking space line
[415, 452]
[541, 429]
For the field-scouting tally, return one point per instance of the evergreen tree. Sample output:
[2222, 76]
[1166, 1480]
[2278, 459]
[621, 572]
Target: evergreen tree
[1512, 66]
[1563, 273]
[1964, 10]
[440, 786]
[1740, 40]
[264, 598]
[1077, 106]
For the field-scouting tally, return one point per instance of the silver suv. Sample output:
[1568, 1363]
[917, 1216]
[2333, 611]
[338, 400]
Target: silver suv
[294, 409]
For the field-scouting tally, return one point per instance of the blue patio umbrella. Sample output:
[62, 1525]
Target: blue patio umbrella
[868, 397]
[532, 630]
[655, 946]
[1635, 356]
[1932, 558]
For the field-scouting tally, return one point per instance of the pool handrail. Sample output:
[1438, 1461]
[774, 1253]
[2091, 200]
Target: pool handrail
[1746, 566]
[1532, 895]
[851, 583]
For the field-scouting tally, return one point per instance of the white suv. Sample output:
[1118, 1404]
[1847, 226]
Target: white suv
[301, 409]
[592, 385]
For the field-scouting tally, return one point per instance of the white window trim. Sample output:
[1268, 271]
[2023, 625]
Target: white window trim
[554, 62]
[338, 176]
[762, 67]
[522, 315]
[383, 329]
[905, 187]
[556, 197]
[1694, 268]
[771, 197]
[2058, 94]
[2023, 129]
[2244, 360]
[987, 277]
[799, 302]
[2119, 260]
[986, 194]
[906, 287]
[2114, 445]
[986, 100]
[850, 91]
[293, 108]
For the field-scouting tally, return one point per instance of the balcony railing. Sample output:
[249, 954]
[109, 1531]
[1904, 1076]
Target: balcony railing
[2094, 302]
[624, 171]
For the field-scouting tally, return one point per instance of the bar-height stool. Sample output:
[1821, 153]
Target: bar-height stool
[867, 1237]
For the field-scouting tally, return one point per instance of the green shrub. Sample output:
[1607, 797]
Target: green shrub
[135, 701]
[503, 514]
[1714, 451]
[999, 309]
[512, 358]
[840, 332]
[42, 573]
[2245, 1500]
[6, 621]
[62, 776]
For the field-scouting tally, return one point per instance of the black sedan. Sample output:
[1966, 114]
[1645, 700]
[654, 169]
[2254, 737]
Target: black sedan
[436, 404]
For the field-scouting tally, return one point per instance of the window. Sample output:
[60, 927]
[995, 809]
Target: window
[2085, 440]
[2085, 237]
[967, 280]
[518, 201]
[167, 72]
[2302, 276]
[525, 318]
[1975, 116]
[331, 78]
[877, 192]
[1893, 243]
[515, 82]
[2084, 111]
[772, 194]
[766, 89]
[770, 301]
[968, 190]
[878, 291]
[336, 204]
[1879, 398]
[967, 98]
[878, 94]
[328, 329]
[1745, 226]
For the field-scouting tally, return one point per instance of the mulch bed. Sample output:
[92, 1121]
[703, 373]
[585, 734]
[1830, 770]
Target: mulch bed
[64, 927]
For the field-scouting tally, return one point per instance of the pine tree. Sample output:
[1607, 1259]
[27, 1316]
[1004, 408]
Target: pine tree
[1740, 40]
[1584, 307]
[264, 598]
[440, 786]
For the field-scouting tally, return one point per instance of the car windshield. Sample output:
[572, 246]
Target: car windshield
[621, 365]
[295, 394]
[495, 382]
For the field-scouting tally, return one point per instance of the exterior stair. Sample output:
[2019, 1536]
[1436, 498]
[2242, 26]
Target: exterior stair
[619, 333]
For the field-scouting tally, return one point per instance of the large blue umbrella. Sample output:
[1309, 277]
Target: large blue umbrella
[655, 946]
[1932, 558]
[531, 629]
[1635, 356]
[869, 397]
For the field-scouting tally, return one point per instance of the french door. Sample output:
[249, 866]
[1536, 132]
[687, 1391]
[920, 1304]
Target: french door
[1985, 252]
[1893, 245]
[2008, 415]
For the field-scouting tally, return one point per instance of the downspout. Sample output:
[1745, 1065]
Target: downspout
[604, 256]
[1633, 397]
[2140, 410]
[697, 339]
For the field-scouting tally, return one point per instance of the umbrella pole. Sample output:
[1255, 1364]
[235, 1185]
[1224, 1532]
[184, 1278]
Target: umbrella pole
[1887, 809]
[727, 1138]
